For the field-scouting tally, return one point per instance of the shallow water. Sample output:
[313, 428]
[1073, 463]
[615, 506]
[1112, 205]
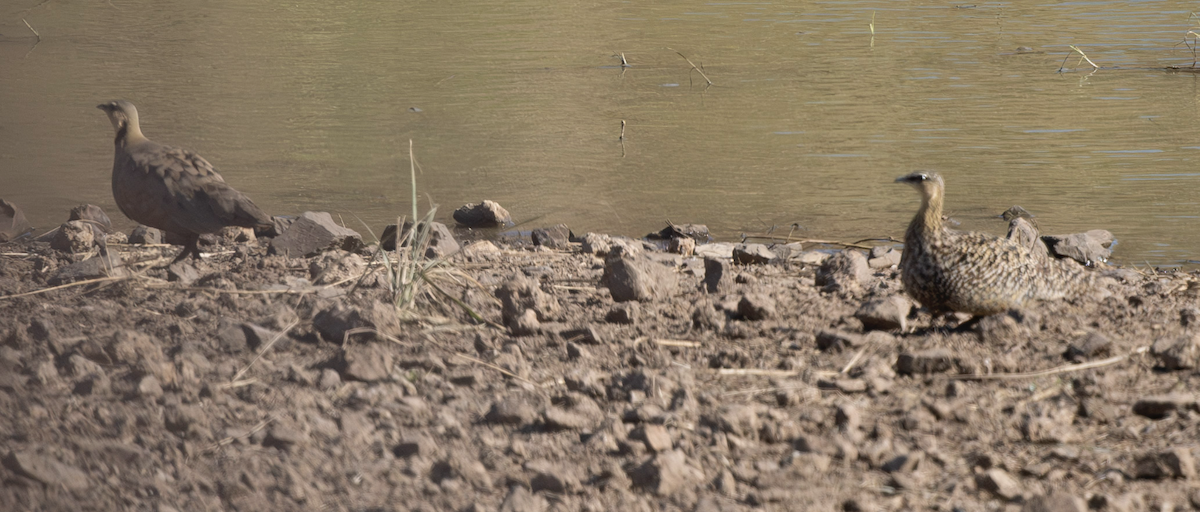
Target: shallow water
[310, 106]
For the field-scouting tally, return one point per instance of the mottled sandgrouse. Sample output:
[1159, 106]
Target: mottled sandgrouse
[172, 189]
[977, 273]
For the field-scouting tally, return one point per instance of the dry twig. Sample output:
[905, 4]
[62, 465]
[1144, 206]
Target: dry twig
[1054, 371]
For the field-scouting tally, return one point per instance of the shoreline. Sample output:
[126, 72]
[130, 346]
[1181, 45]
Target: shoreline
[606, 375]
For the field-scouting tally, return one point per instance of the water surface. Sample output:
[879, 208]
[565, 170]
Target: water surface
[310, 106]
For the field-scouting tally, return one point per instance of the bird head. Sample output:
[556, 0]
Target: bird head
[122, 115]
[922, 180]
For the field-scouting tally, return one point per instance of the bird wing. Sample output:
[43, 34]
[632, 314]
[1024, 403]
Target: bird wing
[198, 200]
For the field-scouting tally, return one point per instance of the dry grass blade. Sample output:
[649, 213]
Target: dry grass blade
[497, 368]
[229, 440]
[677, 343]
[725, 372]
[68, 285]
[689, 61]
[264, 350]
[1055, 371]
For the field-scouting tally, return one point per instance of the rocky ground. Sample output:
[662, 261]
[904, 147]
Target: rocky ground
[608, 374]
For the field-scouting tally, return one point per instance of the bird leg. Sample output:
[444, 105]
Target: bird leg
[191, 247]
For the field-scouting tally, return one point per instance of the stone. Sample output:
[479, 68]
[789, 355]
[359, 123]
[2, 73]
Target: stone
[146, 235]
[182, 272]
[415, 446]
[656, 437]
[718, 275]
[13, 223]
[557, 418]
[1091, 345]
[837, 341]
[1172, 463]
[885, 314]
[756, 306]
[285, 438]
[813, 257]
[753, 254]
[94, 217]
[481, 250]
[236, 235]
[738, 419]
[440, 241]
[719, 250]
[149, 387]
[637, 277]
[845, 271]
[342, 321]
[884, 257]
[521, 296]
[998, 482]
[335, 266]
[1177, 352]
[697, 232]
[47, 470]
[554, 237]
[1054, 502]
[623, 313]
[924, 362]
[312, 233]
[904, 463]
[98, 266]
[512, 410]
[1086, 248]
[485, 214]
[370, 362]
[667, 473]
[1160, 406]
[551, 477]
[682, 246]
[73, 237]
[520, 499]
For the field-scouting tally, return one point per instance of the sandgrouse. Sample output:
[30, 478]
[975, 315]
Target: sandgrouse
[977, 273]
[172, 189]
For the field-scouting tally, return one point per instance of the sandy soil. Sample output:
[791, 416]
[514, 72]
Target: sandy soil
[274, 383]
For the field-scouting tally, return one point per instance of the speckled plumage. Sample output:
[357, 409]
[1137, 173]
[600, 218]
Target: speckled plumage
[172, 189]
[976, 273]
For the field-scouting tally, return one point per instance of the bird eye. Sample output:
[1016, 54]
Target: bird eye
[924, 177]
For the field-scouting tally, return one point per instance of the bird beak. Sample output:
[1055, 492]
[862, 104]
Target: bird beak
[102, 107]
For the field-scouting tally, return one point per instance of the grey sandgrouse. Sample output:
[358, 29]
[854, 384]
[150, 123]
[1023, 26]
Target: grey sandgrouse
[172, 189]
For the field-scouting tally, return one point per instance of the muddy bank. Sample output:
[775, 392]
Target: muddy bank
[609, 375]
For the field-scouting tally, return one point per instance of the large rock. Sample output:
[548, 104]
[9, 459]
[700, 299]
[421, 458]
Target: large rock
[96, 267]
[12, 221]
[73, 236]
[1177, 352]
[482, 215]
[554, 237]
[312, 233]
[885, 314]
[1172, 463]
[342, 320]
[146, 235]
[845, 271]
[93, 216]
[520, 295]
[1092, 246]
[47, 470]
[637, 277]
[1022, 231]
[667, 473]
[441, 242]
[756, 254]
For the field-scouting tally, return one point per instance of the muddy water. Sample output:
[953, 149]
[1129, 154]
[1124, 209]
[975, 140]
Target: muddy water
[310, 105]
